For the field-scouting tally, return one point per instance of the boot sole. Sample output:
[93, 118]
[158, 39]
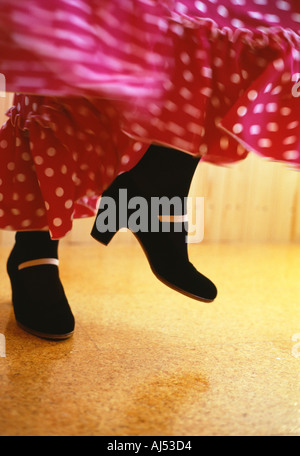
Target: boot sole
[46, 336]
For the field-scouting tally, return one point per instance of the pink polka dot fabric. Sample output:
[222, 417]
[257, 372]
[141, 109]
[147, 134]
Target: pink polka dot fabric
[216, 78]
[57, 156]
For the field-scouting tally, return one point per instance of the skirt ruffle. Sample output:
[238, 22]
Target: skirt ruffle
[56, 159]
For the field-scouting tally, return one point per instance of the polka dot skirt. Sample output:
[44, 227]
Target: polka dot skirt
[216, 78]
[56, 159]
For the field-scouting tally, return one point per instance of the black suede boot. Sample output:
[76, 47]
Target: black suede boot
[162, 172]
[39, 300]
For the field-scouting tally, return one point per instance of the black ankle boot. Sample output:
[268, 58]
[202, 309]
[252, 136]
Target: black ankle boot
[40, 305]
[161, 172]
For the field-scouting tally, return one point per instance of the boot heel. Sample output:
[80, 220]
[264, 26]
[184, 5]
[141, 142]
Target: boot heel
[104, 232]
[104, 238]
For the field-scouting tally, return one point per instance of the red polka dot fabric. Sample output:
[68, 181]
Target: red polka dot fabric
[57, 156]
[216, 78]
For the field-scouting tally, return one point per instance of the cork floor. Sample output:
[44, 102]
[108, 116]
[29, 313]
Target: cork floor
[145, 360]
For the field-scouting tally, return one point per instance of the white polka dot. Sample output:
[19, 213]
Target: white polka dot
[283, 5]
[1, 213]
[292, 125]
[237, 23]
[26, 156]
[3, 144]
[26, 223]
[59, 191]
[15, 211]
[47, 205]
[206, 91]
[30, 197]
[185, 93]
[34, 106]
[21, 177]
[218, 62]
[224, 142]
[255, 14]
[296, 17]
[273, 126]
[40, 212]
[26, 101]
[223, 11]
[18, 142]
[264, 142]
[286, 77]
[68, 204]
[258, 109]
[185, 58]
[188, 75]
[291, 155]
[203, 149]
[262, 63]
[69, 130]
[235, 78]
[240, 150]
[125, 159]
[38, 160]
[252, 95]
[195, 128]
[255, 129]
[290, 140]
[245, 74]
[201, 6]
[51, 151]
[1, 196]
[64, 169]
[110, 171]
[272, 18]
[137, 146]
[286, 111]
[49, 172]
[242, 111]
[277, 90]
[10, 166]
[271, 107]
[206, 72]
[278, 65]
[15, 196]
[57, 222]
[237, 128]
[215, 101]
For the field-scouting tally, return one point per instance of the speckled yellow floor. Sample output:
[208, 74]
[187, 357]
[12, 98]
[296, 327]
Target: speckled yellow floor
[147, 361]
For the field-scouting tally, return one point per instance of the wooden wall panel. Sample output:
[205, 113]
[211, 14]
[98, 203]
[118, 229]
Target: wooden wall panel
[255, 200]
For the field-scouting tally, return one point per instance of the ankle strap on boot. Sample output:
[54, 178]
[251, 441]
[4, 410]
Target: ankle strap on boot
[39, 262]
[173, 218]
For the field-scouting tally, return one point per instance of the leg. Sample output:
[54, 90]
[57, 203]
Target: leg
[39, 301]
[161, 173]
